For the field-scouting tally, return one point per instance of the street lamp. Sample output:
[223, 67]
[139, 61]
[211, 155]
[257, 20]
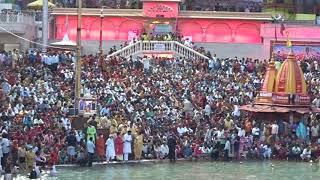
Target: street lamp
[276, 19]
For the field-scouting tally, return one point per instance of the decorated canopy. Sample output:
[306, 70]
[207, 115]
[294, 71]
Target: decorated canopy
[38, 4]
[283, 91]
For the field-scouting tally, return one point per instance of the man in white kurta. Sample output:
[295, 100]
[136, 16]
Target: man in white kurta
[110, 151]
[127, 145]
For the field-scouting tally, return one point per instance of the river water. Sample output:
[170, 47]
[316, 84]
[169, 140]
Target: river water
[194, 171]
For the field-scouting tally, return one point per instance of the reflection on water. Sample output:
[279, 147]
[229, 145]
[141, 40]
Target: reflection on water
[195, 171]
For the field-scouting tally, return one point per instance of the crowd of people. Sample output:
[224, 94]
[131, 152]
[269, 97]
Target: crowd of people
[148, 108]
[162, 37]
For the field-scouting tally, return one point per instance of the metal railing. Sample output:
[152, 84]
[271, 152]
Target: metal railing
[158, 46]
[9, 18]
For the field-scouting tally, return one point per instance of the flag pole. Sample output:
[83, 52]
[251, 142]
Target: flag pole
[45, 14]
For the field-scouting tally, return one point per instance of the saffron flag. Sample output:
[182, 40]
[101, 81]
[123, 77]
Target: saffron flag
[289, 43]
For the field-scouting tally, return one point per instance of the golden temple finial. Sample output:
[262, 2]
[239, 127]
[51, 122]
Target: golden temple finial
[272, 57]
[289, 43]
[271, 63]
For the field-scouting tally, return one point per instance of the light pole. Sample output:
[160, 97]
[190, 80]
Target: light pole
[78, 61]
[45, 25]
[101, 21]
[276, 19]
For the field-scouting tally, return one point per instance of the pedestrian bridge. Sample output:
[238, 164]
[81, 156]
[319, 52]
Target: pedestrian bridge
[175, 48]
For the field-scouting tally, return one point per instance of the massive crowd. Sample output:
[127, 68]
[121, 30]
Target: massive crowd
[148, 108]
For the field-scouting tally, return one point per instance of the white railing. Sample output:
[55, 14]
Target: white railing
[187, 51]
[158, 46]
[9, 18]
[128, 50]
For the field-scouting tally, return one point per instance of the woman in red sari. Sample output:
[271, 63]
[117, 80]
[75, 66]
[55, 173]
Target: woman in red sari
[101, 147]
[119, 147]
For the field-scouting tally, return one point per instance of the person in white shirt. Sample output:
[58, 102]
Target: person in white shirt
[127, 145]
[110, 150]
[146, 64]
[211, 64]
[255, 132]
[207, 110]
[66, 123]
[206, 150]
[295, 152]
[38, 121]
[241, 131]
[187, 42]
[180, 130]
[164, 151]
[236, 111]
[267, 151]
[274, 129]
[306, 154]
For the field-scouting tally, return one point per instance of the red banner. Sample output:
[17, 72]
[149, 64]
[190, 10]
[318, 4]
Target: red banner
[291, 99]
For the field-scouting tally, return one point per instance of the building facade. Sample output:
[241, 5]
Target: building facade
[220, 31]
[15, 29]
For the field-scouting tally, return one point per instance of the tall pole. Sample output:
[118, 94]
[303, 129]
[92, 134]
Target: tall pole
[101, 21]
[78, 61]
[45, 25]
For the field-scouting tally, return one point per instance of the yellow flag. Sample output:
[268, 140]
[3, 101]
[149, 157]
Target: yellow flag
[289, 43]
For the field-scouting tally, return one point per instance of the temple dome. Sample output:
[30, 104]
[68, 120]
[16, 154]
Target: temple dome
[290, 78]
[265, 95]
[287, 87]
[269, 79]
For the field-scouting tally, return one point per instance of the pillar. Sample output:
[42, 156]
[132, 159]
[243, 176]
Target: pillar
[45, 25]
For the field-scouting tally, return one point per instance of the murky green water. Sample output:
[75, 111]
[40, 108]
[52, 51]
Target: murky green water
[196, 171]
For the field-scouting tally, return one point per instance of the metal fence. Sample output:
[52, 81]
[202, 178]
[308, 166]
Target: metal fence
[16, 18]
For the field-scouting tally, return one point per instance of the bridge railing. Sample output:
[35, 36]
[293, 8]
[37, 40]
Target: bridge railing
[187, 51]
[128, 50]
[158, 46]
[9, 18]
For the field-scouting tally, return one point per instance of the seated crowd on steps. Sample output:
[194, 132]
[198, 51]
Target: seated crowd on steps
[187, 106]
